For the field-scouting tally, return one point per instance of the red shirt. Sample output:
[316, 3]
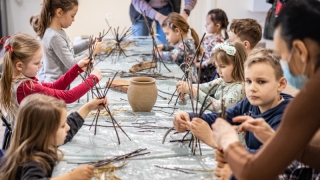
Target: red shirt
[57, 89]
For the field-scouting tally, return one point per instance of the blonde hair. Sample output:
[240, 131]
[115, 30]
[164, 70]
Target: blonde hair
[23, 47]
[267, 56]
[237, 60]
[174, 20]
[42, 21]
[37, 123]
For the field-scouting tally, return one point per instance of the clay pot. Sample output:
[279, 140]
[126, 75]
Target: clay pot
[142, 93]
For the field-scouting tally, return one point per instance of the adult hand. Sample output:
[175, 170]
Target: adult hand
[184, 15]
[83, 63]
[224, 134]
[160, 18]
[223, 172]
[98, 48]
[97, 73]
[219, 156]
[84, 172]
[260, 128]
[181, 121]
[202, 130]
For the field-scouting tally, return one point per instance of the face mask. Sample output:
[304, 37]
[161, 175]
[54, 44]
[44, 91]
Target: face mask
[296, 81]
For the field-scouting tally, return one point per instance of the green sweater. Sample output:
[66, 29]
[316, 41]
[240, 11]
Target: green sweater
[232, 93]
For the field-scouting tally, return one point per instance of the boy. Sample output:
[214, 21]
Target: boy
[264, 82]
[247, 30]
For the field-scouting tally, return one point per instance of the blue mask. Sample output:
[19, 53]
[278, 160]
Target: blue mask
[296, 81]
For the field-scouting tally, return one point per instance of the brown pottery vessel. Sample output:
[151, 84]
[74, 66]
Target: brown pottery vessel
[142, 93]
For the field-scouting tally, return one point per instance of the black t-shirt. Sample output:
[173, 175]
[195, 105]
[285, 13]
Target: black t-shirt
[33, 171]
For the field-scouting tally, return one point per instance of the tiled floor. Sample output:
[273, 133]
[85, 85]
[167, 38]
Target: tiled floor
[289, 90]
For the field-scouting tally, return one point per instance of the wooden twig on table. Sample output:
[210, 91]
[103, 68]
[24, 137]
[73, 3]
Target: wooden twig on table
[155, 75]
[114, 159]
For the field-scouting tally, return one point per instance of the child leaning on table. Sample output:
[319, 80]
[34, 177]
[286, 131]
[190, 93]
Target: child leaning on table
[264, 83]
[41, 126]
[55, 16]
[21, 62]
[176, 29]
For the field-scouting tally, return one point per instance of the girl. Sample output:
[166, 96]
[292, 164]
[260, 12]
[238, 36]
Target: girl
[229, 59]
[22, 60]
[59, 52]
[42, 125]
[216, 25]
[176, 29]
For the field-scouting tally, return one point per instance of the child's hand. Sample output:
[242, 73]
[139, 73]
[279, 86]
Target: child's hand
[84, 172]
[97, 73]
[96, 104]
[183, 87]
[181, 121]
[182, 97]
[83, 63]
[202, 130]
[160, 47]
[98, 48]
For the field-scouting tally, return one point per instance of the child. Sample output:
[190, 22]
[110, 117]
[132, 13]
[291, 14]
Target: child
[60, 54]
[216, 25]
[176, 29]
[42, 125]
[247, 30]
[229, 59]
[22, 60]
[264, 82]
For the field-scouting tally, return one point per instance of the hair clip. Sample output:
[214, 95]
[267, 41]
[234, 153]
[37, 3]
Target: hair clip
[227, 47]
[9, 48]
[4, 39]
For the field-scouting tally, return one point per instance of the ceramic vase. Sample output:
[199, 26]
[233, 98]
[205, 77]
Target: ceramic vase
[142, 93]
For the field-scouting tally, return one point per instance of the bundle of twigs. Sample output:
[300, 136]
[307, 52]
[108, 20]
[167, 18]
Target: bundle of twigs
[117, 51]
[102, 94]
[155, 52]
[115, 159]
[197, 112]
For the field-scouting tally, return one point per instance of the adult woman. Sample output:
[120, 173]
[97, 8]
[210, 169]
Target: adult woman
[297, 39]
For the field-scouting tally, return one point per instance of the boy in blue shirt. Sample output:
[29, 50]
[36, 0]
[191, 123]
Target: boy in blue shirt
[264, 82]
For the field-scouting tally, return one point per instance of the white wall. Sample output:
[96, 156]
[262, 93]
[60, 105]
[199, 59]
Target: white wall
[92, 13]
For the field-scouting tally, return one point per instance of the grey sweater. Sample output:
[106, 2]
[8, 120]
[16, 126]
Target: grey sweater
[60, 54]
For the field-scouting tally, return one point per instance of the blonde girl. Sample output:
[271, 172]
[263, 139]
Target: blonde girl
[229, 59]
[41, 126]
[21, 62]
[60, 54]
[176, 29]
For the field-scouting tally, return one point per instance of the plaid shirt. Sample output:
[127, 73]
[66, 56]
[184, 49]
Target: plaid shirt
[300, 171]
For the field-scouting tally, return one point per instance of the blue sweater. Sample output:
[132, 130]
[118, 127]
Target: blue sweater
[272, 116]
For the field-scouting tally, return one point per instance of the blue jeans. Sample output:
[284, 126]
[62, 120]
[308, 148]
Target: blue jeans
[142, 30]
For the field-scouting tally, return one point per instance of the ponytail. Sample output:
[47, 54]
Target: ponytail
[6, 93]
[196, 41]
[42, 21]
[18, 48]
